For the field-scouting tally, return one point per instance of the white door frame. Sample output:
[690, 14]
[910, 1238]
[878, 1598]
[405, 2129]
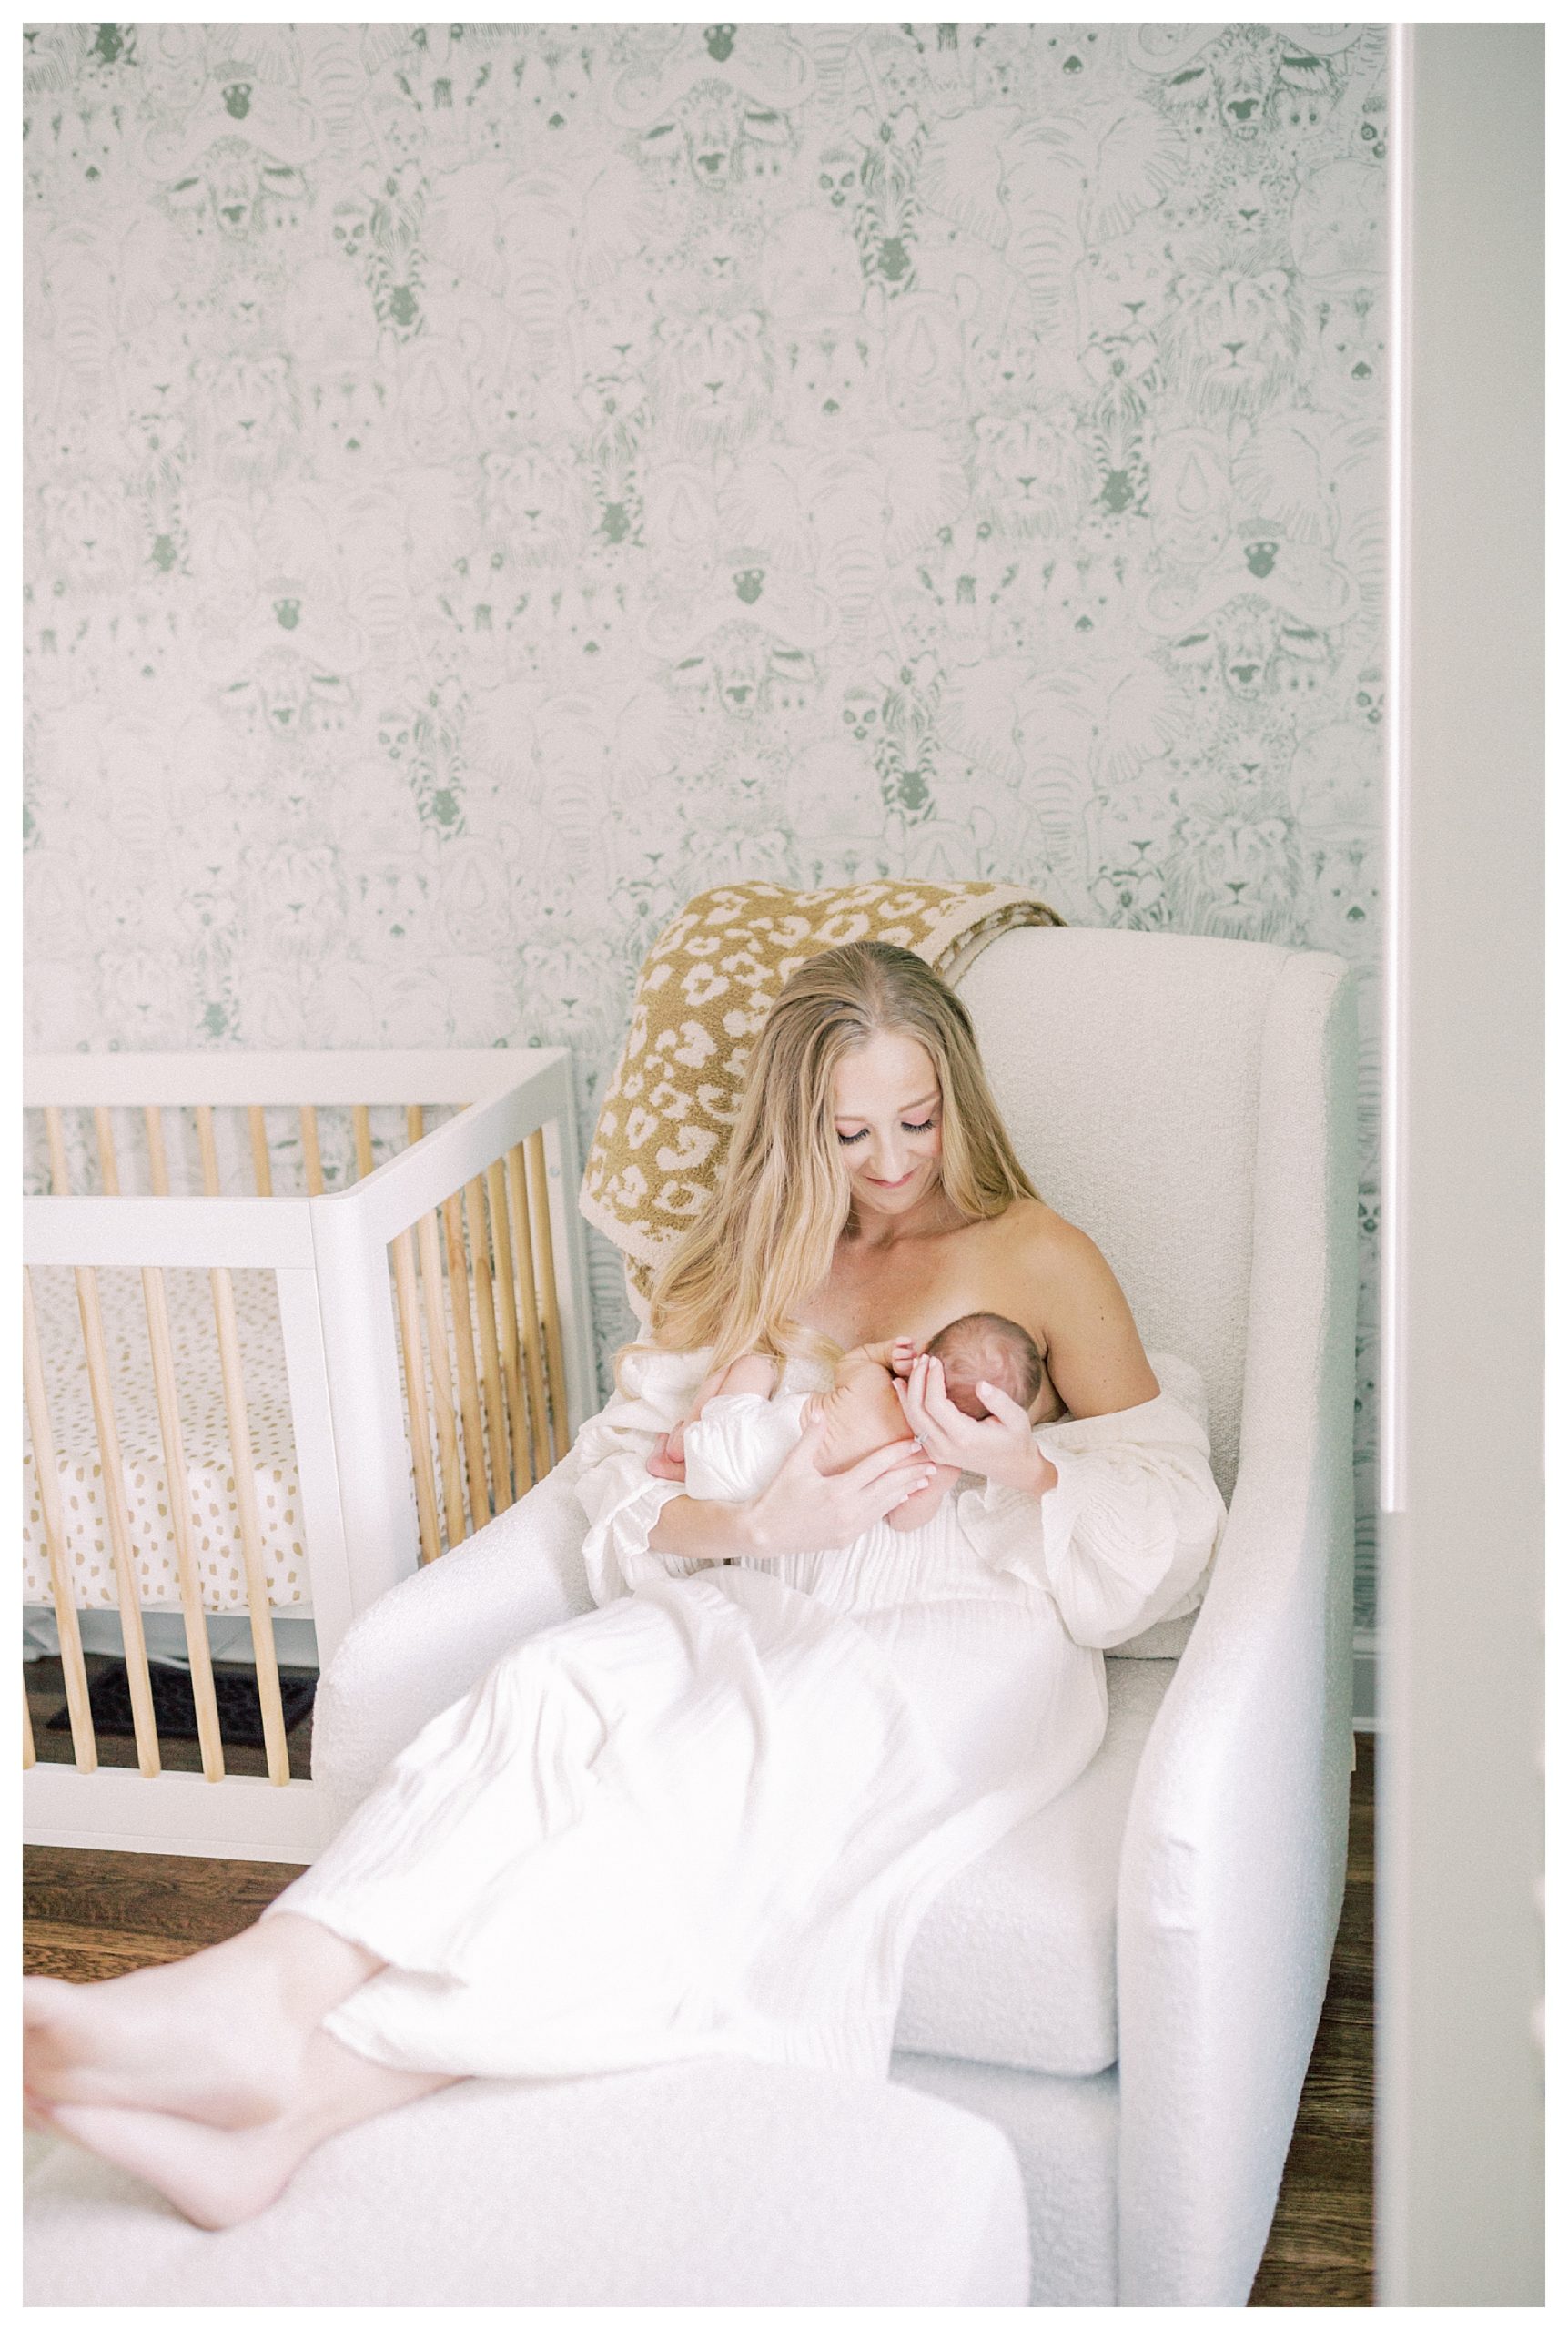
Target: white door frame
[1460, 1824]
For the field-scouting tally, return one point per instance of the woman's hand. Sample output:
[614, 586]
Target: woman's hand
[802, 1511]
[1000, 1446]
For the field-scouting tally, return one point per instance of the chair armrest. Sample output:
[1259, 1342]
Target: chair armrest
[1233, 1859]
[424, 1645]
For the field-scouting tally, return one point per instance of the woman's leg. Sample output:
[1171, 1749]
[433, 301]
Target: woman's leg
[221, 2176]
[219, 2037]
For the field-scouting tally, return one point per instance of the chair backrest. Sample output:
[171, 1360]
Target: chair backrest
[1127, 1065]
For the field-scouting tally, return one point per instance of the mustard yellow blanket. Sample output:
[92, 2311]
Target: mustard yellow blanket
[703, 993]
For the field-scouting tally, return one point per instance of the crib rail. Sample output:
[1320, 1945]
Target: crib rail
[479, 1320]
[242, 1079]
[432, 1294]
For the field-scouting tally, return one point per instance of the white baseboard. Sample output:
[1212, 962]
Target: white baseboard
[114, 1811]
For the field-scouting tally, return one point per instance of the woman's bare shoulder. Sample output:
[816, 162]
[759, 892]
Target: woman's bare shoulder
[1040, 1239]
[1092, 1345]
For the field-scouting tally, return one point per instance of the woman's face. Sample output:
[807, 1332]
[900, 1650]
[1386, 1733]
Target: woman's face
[887, 1114]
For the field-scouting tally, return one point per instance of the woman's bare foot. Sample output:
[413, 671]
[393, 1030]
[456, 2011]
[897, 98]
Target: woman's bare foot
[221, 2176]
[218, 2037]
[142, 2041]
[215, 2176]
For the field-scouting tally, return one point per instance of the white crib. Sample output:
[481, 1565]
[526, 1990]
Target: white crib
[377, 1323]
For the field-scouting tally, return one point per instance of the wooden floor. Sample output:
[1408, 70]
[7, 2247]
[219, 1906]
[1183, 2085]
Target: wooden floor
[87, 1914]
[1320, 2249]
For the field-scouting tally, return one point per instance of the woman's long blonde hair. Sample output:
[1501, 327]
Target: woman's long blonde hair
[767, 1236]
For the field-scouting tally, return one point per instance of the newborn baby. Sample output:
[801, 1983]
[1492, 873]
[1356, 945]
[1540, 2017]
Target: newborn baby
[861, 1413]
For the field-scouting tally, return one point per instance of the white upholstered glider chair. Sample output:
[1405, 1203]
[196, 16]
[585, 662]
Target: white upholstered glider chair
[1129, 1985]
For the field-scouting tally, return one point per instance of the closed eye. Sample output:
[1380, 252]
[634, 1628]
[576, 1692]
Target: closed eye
[848, 1140]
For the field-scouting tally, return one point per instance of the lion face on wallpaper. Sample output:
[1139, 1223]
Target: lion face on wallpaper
[1232, 339]
[296, 901]
[1233, 873]
[1122, 287]
[712, 380]
[88, 535]
[1031, 476]
[528, 491]
[249, 417]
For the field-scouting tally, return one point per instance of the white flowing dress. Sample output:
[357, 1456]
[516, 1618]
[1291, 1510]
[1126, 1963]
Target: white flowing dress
[706, 1817]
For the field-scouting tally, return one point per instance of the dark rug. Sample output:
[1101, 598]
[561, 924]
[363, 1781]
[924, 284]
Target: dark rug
[174, 1703]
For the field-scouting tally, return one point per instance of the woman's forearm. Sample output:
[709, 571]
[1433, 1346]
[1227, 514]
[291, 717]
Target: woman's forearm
[1028, 1469]
[1043, 1476]
[703, 1529]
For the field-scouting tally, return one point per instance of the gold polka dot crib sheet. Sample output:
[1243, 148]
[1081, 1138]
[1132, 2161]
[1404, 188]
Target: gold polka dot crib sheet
[214, 1505]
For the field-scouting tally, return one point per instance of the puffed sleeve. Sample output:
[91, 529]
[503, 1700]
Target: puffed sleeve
[620, 1495]
[739, 1441]
[1127, 1536]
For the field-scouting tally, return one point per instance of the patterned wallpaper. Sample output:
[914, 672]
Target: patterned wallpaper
[486, 482]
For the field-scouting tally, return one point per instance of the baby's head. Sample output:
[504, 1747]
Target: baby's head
[984, 1348]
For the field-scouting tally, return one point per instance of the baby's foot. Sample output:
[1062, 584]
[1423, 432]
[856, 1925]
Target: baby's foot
[668, 1462]
[918, 1508]
[215, 2176]
[208, 2037]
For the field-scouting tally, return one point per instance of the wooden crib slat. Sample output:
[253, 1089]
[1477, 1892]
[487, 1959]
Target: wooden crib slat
[495, 1422]
[441, 1376]
[158, 1163]
[532, 1339]
[211, 1182]
[505, 1286]
[29, 1753]
[414, 1383]
[416, 1116]
[239, 1449]
[539, 1186]
[177, 1475]
[83, 1746]
[260, 1156]
[364, 1148]
[310, 1141]
[468, 1370]
[59, 1171]
[108, 1163]
[112, 1479]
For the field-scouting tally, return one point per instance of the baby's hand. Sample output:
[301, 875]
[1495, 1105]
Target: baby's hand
[897, 1356]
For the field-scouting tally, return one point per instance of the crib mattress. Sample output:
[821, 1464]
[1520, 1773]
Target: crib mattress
[213, 1503]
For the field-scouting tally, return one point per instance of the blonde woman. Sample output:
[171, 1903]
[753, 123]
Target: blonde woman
[707, 1816]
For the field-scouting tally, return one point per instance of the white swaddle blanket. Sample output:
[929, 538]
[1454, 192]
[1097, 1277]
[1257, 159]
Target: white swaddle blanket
[707, 1816]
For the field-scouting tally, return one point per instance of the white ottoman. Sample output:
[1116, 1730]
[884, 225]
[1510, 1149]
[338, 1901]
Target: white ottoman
[694, 2183]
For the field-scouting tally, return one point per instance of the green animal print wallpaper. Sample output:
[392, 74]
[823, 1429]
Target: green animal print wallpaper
[487, 481]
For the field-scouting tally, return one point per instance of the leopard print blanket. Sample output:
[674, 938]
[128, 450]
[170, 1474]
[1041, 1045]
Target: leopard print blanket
[703, 993]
